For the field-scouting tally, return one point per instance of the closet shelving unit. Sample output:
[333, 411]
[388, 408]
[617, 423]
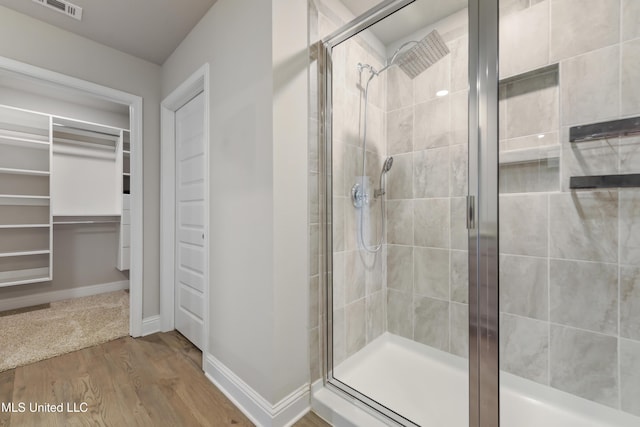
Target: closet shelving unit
[57, 171]
[124, 246]
[26, 233]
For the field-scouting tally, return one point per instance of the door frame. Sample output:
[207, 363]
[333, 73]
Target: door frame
[135, 122]
[482, 215]
[192, 86]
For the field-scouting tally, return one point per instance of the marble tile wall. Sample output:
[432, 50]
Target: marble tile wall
[570, 285]
[361, 305]
[427, 270]
[358, 276]
[359, 295]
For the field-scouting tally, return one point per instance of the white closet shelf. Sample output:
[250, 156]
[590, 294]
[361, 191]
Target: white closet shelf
[23, 196]
[126, 152]
[20, 200]
[12, 226]
[85, 134]
[21, 277]
[26, 132]
[94, 219]
[25, 253]
[24, 172]
[25, 167]
[82, 128]
[86, 222]
[23, 142]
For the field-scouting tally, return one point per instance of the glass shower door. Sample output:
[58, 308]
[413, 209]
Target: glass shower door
[397, 95]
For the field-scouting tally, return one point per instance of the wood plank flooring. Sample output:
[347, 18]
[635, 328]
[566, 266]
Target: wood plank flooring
[152, 381]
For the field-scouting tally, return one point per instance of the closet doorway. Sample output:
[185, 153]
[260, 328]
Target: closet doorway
[65, 135]
[184, 242]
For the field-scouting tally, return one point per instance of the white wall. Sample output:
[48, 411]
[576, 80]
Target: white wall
[290, 182]
[235, 38]
[34, 42]
[259, 262]
[84, 255]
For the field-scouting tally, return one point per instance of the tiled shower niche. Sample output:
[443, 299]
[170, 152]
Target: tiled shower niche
[529, 146]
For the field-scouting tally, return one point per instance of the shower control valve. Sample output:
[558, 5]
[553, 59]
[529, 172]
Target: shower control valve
[358, 196]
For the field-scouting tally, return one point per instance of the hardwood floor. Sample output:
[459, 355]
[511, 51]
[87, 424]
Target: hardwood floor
[151, 381]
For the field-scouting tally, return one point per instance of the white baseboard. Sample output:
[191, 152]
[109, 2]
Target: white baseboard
[251, 403]
[150, 325]
[53, 296]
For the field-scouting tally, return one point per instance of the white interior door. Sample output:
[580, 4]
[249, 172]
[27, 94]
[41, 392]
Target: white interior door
[190, 221]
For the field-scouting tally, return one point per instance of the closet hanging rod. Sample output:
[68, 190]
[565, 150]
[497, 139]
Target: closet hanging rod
[84, 143]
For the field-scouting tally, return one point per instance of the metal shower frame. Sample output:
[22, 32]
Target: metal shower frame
[482, 209]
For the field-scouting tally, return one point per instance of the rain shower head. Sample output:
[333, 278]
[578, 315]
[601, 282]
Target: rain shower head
[422, 55]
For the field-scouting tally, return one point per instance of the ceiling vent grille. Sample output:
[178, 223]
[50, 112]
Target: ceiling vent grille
[63, 6]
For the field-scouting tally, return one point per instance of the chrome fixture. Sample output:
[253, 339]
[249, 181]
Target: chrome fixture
[422, 55]
[358, 196]
[382, 189]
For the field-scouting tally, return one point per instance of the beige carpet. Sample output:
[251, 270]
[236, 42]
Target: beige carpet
[63, 327]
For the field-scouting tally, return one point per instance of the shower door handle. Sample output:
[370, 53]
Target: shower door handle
[471, 217]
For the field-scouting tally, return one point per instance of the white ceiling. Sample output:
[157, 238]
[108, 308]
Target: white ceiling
[415, 16]
[148, 29]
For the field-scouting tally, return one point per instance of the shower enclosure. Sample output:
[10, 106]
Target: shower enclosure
[478, 222]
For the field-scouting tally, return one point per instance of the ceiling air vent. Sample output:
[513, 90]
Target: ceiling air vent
[62, 6]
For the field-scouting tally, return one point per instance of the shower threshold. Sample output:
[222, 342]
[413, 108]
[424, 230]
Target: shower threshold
[430, 387]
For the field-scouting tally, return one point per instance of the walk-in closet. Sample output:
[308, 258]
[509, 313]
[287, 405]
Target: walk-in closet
[65, 223]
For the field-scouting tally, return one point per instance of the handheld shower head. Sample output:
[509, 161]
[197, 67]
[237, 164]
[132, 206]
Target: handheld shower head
[387, 164]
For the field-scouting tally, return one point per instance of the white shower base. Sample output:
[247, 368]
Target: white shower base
[430, 387]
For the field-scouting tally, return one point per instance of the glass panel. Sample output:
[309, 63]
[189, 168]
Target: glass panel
[569, 276]
[398, 167]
